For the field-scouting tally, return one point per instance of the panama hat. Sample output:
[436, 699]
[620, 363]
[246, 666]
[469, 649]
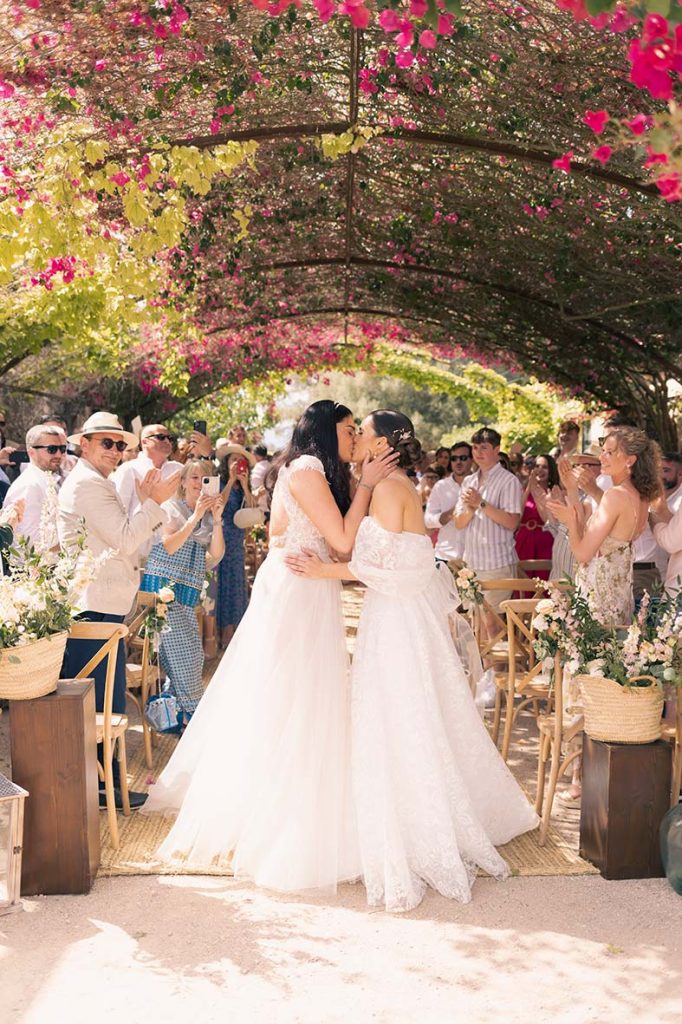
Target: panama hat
[104, 423]
[238, 449]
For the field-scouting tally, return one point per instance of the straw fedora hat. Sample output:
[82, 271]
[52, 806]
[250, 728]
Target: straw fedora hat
[238, 449]
[104, 423]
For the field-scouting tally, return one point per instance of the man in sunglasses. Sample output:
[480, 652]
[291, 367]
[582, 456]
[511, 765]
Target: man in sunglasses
[443, 500]
[88, 500]
[38, 485]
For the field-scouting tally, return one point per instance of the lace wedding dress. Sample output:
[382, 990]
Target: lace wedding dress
[433, 796]
[260, 781]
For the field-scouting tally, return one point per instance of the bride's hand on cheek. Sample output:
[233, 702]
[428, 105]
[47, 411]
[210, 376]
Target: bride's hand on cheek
[378, 467]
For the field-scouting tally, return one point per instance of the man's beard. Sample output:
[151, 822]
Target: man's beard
[670, 485]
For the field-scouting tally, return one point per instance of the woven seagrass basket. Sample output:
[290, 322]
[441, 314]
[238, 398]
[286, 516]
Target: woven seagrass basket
[621, 714]
[33, 669]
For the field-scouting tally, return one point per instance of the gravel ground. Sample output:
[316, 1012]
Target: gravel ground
[565, 950]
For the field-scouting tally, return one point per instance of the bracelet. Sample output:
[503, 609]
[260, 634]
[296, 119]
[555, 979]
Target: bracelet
[361, 484]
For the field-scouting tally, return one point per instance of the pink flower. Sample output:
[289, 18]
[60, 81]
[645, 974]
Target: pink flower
[404, 59]
[120, 178]
[563, 163]
[602, 154]
[596, 120]
[427, 39]
[418, 8]
[6, 89]
[639, 124]
[34, 5]
[670, 187]
[655, 27]
[389, 20]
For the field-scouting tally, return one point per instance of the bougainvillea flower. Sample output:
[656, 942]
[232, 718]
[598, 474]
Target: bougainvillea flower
[602, 154]
[596, 120]
[563, 163]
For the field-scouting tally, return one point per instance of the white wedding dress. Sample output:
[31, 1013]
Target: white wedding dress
[433, 797]
[261, 779]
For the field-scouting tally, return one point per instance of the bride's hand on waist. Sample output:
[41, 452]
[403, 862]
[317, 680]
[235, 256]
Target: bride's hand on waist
[306, 564]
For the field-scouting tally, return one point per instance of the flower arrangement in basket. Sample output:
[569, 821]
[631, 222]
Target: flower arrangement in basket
[468, 588]
[619, 671]
[37, 604]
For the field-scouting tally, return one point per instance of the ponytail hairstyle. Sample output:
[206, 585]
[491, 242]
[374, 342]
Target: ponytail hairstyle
[399, 432]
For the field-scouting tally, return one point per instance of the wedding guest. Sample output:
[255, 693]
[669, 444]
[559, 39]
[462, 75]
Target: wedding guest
[261, 468]
[442, 503]
[516, 464]
[191, 542]
[667, 528]
[603, 546]
[489, 510]
[221, 446]
[671, 467]
[533, 540]
[567, 441]
[37, 487]
[442, 458]
[237, 435]
[9, 517]
[232, 593]
[577, 482]
[426, 484]
[505, 461]
[70, 459]
[156, 446]
[89, 503]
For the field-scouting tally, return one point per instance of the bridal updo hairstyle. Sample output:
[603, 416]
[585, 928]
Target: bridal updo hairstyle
[399, 432]
[315, 434]
[646, 473]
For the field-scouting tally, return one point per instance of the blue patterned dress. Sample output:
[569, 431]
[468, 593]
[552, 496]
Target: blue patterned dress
[232, 595]
[181, 652]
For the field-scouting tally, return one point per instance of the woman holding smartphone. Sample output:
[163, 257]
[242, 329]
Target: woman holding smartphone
[232, 593]
[191, 542]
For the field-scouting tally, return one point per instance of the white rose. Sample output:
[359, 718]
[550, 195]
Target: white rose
[545, 606]
[166, 594]
[595, 668]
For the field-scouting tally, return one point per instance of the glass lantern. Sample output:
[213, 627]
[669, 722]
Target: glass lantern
[11, 831]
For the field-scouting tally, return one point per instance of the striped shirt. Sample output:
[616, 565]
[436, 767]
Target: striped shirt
[450, 543]
[487, 545]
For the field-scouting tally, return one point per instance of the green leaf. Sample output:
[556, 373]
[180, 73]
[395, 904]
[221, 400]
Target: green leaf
[599, 6]
[658, 7]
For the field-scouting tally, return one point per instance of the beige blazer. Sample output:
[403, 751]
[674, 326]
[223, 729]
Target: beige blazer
[90, 499]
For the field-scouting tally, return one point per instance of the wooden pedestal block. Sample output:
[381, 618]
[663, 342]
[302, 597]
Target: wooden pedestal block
[54, 756]
[626, 793]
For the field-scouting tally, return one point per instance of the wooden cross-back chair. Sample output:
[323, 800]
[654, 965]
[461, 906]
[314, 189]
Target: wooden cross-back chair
[142, 676]
[522, 682]
[490, 626]
[558, 727]
[532, 566]
[110, 728]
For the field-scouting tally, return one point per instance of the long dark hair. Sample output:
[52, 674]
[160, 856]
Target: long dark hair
[399, 432]
[315, 434]
[553, 478]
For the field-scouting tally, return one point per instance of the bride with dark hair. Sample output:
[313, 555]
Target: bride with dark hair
[260, 781]
[432, 795]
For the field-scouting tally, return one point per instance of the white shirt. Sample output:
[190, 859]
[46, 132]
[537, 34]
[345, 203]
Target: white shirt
[487, 545]
[36, 486]
[125, 479]
[669, 536]
[259, 473]
[444, 496]
[674, 499]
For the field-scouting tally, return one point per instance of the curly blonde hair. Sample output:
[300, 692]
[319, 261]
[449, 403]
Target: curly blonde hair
[646, 474]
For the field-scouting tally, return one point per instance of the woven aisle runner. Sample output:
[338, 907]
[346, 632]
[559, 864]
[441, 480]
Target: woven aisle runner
[141, 835]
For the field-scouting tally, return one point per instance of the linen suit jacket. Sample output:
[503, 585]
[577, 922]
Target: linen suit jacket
[88, 499]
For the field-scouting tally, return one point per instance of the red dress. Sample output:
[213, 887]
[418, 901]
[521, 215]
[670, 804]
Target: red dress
[533, 541]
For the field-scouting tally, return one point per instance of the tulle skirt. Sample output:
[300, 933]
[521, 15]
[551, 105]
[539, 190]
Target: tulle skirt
[260, 780]
[433, 796]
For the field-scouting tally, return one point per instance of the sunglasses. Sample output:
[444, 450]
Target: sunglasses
[3, 423]
[52, 449]
[108, 444]
[162, 437]
[459, 458]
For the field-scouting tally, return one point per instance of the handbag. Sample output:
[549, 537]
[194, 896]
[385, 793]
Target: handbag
[161, 711]
[246, 518]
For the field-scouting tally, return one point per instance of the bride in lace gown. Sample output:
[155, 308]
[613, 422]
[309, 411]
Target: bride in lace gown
[433, 797]
[260, 780]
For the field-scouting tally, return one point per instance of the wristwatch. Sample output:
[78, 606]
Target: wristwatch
[483, 503]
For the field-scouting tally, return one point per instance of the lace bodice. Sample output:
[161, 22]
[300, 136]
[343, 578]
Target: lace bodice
[301, 532]
[396, 564]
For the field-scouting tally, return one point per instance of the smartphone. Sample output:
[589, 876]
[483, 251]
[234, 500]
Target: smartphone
[19, 456]
[242, 467]
[199, 426]
[210, 485]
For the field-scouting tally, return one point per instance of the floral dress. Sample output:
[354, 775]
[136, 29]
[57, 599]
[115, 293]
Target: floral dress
[606, 583]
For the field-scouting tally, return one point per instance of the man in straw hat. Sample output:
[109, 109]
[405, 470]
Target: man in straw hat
[88, 501]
